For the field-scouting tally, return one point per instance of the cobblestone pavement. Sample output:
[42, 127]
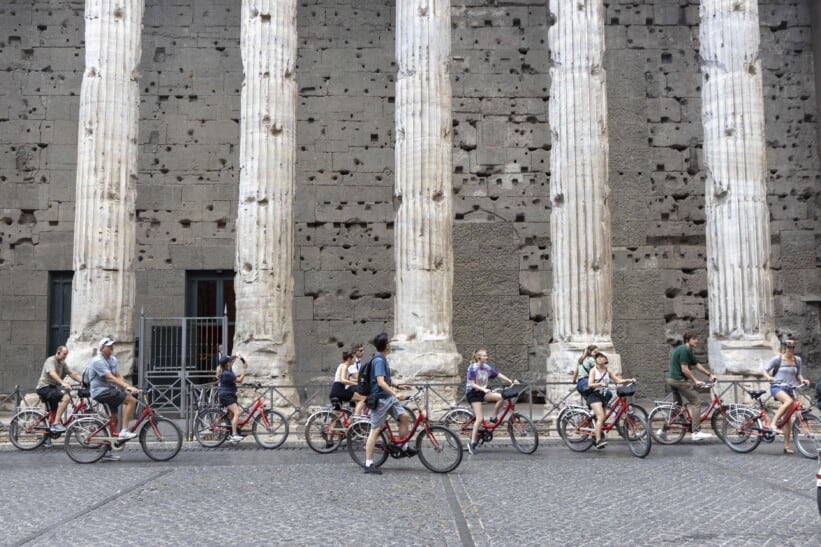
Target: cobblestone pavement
[683, 495]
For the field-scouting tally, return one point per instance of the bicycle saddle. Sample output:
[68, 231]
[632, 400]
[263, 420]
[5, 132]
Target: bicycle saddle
[757, 393]
[336, 402]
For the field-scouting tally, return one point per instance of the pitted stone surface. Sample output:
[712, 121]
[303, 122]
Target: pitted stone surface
[191, 75]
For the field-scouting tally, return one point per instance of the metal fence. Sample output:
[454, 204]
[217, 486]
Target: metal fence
[11, 401]
[540, 401]
[176, 354]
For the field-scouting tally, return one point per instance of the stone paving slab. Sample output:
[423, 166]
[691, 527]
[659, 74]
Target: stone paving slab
[684, 495]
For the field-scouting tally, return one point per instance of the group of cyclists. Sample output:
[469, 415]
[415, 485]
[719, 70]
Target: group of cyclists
[592, 378]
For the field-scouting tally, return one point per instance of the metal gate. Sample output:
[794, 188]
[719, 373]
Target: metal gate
[176, 353]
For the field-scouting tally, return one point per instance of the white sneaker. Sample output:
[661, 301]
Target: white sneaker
[661, 433]
[235, 438]
[110, 456]
[125, 435]
[58, 428]
[700, 435]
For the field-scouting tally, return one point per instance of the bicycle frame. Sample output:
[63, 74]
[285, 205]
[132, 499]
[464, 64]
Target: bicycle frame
[255, 407]
[420, 419]
[77, 410]
[764, 431]
[618, 408]
[684, 410]
[147, 414]
[509, 408]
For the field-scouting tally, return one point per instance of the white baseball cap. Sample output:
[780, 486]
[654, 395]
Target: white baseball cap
[106, 342]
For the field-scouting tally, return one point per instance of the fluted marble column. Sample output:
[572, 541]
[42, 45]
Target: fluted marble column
[738, 231]
[105, 218]
[423, 342]
[264, 282]
[580, 218]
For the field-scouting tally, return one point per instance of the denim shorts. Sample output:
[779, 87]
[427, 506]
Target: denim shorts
[775, 389]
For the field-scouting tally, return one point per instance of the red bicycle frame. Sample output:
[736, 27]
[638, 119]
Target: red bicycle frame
[715, 402]
[509, 407]
[420, 418]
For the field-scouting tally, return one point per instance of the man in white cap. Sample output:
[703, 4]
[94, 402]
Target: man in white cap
[109, 388]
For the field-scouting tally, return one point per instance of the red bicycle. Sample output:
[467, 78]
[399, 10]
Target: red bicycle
[212, 426]
[89, 438]
[745, 426]
[438, 447]
[30, 428]
[670, 420]
[579, 425]
[522, 432]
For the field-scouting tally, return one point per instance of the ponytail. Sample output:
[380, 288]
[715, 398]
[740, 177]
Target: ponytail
[588, 352]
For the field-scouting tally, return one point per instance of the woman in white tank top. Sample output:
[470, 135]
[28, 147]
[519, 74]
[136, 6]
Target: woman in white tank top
[600, 377]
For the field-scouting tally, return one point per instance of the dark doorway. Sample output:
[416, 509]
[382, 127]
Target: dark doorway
[59, 309]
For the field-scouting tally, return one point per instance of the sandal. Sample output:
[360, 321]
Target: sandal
[789, 451]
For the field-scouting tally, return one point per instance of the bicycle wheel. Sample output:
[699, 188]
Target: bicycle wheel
[717, 421]
[325, 430]
[459, 420]
[28, 429]
[211, 427]
[564, 415]
[578, 430]
[636, 434]
[559, 419]
[274, 433]
[439, 448]
[160, 439]
[638, 410]
[806, 434]
[741, 430]
[357, 436]
[523, 433]
[662, 427]
[87, 439]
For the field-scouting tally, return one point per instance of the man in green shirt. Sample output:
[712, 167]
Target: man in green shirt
[682, 381]
[53, 388]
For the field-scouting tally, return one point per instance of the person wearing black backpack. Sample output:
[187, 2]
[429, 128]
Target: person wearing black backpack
[384, 400]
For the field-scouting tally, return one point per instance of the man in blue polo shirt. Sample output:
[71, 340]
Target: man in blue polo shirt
[382, 389]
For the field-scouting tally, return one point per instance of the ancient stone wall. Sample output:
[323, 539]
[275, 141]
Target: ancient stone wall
[344, 210]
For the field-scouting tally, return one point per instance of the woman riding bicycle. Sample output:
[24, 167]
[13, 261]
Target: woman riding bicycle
[477, 392]
[344, 383]
[783, 371]
[597, 393]
[227, 390]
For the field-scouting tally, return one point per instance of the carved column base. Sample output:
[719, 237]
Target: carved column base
[265, 360]
[741, 357]
[429, 360]
[564, 358]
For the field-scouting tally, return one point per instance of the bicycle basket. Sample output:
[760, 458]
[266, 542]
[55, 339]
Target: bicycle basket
[511, 392]
[626, 391]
